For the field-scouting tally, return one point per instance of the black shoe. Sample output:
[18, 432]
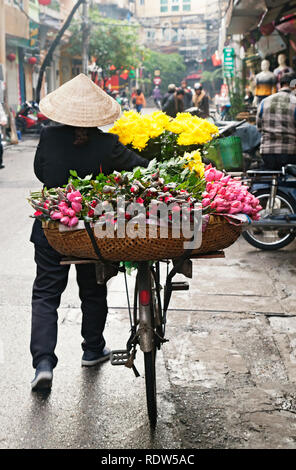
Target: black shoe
[91, 358]
[43, 377]
[2, 166]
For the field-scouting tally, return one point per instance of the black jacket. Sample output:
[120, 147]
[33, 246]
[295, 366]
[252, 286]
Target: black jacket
[173, 106]
[56, 155]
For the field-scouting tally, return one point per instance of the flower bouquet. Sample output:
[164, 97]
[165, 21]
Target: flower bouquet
[145, 214]
[158, 136]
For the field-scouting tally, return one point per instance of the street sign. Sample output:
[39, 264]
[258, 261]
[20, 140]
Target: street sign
[228, 61]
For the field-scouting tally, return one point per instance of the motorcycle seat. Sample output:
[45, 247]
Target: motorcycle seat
[264, 172]
[290, 169]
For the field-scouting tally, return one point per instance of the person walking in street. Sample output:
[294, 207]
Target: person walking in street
[3, 122]
[201, 100]
[170, 92]
[140, 101]
[157, 97]
[187, 95]
[276, 120]
[174, 103]
[80, 107]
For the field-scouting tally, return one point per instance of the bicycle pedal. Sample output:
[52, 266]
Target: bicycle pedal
[120, 357]
[180, 285]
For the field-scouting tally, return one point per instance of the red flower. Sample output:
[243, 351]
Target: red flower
[91, 213]
[94, 204]
[38, 213]
[127, 216]
[139, 200]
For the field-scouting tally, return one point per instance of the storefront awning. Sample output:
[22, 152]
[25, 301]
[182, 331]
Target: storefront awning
[244, 15]
[278, 11]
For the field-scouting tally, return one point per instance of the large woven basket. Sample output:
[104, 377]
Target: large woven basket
[219, 234]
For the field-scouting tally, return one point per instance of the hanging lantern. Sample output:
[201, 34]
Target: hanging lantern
[11, 57]
[44, 2]
[32, 60]
[112, 67]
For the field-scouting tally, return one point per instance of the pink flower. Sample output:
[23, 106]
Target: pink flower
[176, 209]
[139, 200]
[73, 221]
[206, 202]
[74, 196]
[76, 206]
[71, 212]
[56, 215]
[65, 220]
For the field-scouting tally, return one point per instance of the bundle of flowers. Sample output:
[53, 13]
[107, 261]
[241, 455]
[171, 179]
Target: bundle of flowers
[158, 136]
[225, 195]
[173, 182]
[106, 199]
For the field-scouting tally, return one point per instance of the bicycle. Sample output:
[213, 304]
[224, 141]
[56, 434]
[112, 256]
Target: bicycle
[148, 317]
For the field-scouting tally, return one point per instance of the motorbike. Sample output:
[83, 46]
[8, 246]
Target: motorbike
[125, 104]
[29, 118]
[276, 191]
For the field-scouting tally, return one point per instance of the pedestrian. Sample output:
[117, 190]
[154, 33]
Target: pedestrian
[133, 97]
[187, 95]
[175, 103]
[277, 123]
[201, 100]
[170, 92]
[76, 143]
[157, 96]
[140, 101]
[3, 122]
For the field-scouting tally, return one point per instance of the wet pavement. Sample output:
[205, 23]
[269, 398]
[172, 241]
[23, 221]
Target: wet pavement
[226, 378]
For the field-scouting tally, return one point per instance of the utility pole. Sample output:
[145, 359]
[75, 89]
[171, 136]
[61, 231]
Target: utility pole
[85, 37]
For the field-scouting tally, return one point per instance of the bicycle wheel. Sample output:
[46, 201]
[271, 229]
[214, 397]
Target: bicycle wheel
[147, 301]
[150, 381]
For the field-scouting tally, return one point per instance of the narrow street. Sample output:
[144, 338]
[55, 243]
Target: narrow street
[226, 378]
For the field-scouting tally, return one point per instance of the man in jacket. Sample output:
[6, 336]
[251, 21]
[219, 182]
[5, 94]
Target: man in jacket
[201, 100]
[276, 120]
[3, 122]
[170, 92]
[187, 95]
[175, 103]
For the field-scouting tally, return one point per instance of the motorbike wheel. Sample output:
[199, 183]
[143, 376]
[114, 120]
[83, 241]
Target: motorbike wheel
[272, 239]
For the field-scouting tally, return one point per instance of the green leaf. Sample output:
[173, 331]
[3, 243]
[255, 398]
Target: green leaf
[74, 173]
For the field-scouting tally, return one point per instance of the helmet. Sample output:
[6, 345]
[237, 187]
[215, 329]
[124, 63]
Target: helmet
[198, 86]
[172, 87]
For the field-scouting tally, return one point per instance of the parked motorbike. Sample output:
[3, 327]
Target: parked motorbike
[30, 118]
[125, 104]
[276, 191]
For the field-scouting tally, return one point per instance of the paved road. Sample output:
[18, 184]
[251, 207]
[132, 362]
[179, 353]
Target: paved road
[226, 379]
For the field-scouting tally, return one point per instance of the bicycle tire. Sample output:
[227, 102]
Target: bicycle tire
[150, 381]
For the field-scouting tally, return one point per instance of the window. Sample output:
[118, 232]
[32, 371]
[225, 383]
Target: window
[163, 9]
[174, 6]
[186, 7]
[142, 2]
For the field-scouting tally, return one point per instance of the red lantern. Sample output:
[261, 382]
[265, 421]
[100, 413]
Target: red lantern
[11, 57]
[32, 60]
[44, 2]
[112, 67]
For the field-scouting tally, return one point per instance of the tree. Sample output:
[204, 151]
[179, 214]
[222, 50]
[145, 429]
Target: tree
[171, 66]
[111, 42]
[53, 46]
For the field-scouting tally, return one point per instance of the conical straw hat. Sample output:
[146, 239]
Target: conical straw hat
[81, 103]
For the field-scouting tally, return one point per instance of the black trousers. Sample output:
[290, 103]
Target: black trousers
[275, 161]
[50, 282]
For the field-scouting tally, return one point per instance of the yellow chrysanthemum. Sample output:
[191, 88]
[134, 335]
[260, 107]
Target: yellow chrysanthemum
[193, 161]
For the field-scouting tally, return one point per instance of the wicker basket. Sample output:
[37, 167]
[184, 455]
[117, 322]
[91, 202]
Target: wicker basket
[219, 234]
